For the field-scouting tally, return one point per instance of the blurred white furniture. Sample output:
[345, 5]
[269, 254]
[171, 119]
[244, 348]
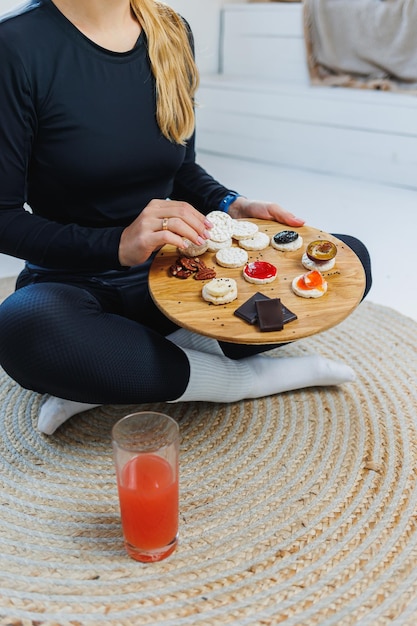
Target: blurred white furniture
[260, 106]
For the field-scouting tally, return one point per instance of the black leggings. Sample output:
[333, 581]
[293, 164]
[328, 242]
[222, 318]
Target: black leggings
[89, 341]
[99, 340]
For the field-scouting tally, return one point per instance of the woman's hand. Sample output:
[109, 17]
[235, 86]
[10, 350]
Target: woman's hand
[242, 207]
[161, 222]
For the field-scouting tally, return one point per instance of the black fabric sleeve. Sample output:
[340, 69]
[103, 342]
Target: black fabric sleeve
[23, 234]
[196, 186]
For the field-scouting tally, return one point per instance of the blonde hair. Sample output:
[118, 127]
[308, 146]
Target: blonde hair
[173, 67]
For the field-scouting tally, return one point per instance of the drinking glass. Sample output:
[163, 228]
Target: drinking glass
[146, 450]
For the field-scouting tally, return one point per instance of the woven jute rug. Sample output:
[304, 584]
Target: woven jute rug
[298, 509]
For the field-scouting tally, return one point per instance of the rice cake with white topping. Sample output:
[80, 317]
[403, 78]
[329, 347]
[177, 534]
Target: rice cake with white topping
[220, 291]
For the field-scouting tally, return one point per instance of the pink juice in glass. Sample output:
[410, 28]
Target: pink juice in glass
[148, 494]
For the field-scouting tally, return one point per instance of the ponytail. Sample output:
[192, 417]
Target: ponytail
[173, 67]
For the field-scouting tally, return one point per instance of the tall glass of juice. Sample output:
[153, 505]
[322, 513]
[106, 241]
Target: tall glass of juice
[146, 449]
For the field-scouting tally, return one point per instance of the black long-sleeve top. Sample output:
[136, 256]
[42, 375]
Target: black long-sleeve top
[80, 145]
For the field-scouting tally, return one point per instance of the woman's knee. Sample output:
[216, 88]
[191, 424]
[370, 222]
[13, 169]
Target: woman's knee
[16, 314]
[32, 320]
[36, 308]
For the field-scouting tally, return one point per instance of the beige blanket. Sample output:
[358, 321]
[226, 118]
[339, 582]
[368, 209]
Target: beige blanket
[362, 43]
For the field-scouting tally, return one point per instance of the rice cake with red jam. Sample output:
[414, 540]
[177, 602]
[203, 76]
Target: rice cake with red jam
[259, 272]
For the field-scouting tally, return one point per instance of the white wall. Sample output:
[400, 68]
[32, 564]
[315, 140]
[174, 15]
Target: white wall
[204, 19]
[7, 5]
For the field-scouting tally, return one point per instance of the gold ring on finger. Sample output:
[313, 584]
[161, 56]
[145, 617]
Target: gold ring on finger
[165, 223]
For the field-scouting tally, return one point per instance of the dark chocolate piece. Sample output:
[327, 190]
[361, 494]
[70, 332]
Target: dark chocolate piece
[247, 310]
[288, 315]
[270, 316]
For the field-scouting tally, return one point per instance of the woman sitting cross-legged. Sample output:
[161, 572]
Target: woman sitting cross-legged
[97, 135]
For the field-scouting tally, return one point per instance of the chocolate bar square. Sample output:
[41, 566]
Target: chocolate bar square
[288, 315]
[247, 311]
[270, 315]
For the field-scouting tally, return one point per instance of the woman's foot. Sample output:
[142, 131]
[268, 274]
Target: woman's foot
[55, 411]
[219, 379]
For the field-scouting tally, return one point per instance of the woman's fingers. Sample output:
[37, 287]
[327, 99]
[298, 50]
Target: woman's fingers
[161, 222]
[284, 217]
[182, 229]
[180, 218]
[242, 207]
[171, 222]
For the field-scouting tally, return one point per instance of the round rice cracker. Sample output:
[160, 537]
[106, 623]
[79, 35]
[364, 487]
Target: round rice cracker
[222, 226]
[243, 229]
[225, 287]
[192, 249]
[256, 280]
[325, 266]
[259, 241]
[287, 247]
[308, 293]
[232, 257]
[219, 217]
[214, 246]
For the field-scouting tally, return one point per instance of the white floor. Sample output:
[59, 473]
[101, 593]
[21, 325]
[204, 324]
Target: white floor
[383, 217]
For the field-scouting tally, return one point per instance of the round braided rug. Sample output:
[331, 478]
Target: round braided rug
[298, 509]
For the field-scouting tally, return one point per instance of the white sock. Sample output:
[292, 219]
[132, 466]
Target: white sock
[219, 379]
[56, 411]
[186, 339]
[215, 378]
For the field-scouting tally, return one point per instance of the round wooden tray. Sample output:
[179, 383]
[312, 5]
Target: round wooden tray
[181, 300]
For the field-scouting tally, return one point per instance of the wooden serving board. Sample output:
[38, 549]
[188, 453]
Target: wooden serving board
[181, 300]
